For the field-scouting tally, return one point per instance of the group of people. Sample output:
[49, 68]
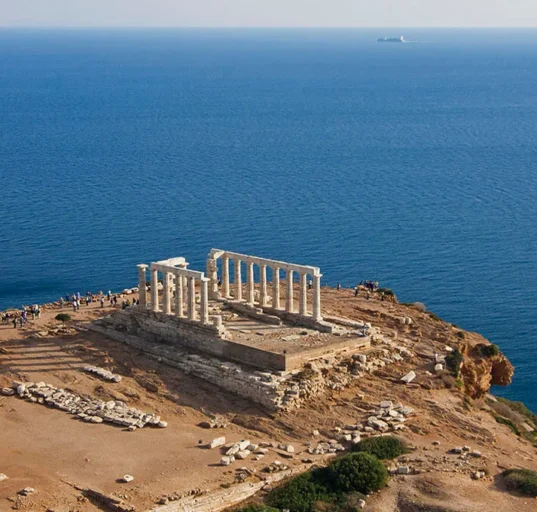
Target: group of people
[21, 317]
[76, 300]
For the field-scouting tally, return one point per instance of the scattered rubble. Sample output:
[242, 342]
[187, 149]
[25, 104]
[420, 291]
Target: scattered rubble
[104, 374]
[87, 408]
[26, 491]
[127, 478]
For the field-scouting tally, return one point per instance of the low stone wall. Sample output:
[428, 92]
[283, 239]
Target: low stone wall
[261, 387]
[165, 329]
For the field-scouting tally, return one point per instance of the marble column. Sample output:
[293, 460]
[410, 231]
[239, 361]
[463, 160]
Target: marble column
[179, 311]
[192, 298]
[142, 286]
[250, 282]
[166, 299]
[238, 280]
[317, 316]
[276, 288]
[204, 301]
[212, 274]
[263, 285]
[289, 307]
[302, 297]
[225, 277]
[154, 290]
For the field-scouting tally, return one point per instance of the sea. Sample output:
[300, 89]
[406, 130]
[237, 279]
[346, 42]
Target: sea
[411, 164]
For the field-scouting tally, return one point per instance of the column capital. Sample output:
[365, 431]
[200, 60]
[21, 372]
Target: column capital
[142, 266]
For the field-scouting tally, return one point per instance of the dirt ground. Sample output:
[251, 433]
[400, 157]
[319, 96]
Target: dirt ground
[51, 451]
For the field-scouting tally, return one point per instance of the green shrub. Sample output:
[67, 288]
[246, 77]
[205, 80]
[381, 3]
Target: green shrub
[435, 317]
[454, 361]
[460, 334]
[357, 472]
[489, 350]
[509, 423]
[386, 291]
[63, 317]
[520, 408]
[420, 306]
[383, 447]
[523, 481]
[301, 493]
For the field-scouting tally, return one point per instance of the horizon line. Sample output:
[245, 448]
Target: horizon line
[273, 27]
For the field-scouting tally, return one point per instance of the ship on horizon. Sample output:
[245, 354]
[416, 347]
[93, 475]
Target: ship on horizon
[391, 40]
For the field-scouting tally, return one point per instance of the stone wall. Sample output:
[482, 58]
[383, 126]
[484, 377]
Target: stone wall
[179, 332]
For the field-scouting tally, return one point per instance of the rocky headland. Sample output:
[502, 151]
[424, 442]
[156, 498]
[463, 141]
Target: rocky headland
[74, 403]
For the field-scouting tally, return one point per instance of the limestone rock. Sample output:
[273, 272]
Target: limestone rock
[409, 377]
[215, 443]
[127, 478]
[3, 477]
[26, 491]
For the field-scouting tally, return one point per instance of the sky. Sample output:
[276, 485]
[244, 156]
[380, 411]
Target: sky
[269, 13]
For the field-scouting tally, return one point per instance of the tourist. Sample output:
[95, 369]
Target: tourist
[21, 321]
[338, 287]
[310, 284]
[14, 322]
[101, 298]
[356, 290]
[61, 302]
[74, 305]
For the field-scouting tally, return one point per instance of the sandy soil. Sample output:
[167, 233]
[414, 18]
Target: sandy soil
[50, 451]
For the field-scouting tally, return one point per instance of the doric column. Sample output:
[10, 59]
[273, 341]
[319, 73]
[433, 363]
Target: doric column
[192, 298]
[166, 302]
[317, 315]
[225, 277]
[179, 295]
[238, 280]
[250, 282]
[263, 285]
[276, 287]
[302, 296]
[212, 274]
[289, 295]
[142, 286]
[154, 290]
[204, 301]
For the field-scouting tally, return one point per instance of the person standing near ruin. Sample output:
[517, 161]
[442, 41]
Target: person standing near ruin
[101, 298]
[338, 287]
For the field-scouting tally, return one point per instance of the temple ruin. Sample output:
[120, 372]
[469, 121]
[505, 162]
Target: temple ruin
[210, 322]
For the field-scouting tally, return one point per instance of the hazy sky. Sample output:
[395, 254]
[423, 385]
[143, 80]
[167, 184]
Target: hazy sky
[268, 13]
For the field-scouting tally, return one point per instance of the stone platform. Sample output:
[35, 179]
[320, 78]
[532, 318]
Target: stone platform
[239, 337]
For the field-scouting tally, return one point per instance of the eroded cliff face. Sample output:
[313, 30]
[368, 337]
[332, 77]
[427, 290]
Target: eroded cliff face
[483, 366]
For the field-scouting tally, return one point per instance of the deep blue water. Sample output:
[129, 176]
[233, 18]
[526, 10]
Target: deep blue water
[415, 164]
